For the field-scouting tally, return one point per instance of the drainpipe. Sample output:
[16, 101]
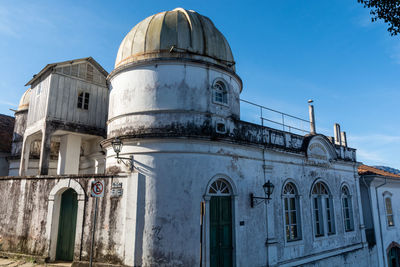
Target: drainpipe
[379, 213]
[265, 180]
[266, 207]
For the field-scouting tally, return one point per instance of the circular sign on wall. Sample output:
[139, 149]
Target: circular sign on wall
[97, 189]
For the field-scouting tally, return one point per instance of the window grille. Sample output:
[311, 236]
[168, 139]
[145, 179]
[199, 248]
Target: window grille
[220, 187]
[323, 208]
[220, 92]
[291, 206]
[83, 100]
[347, 210]
[389, 211]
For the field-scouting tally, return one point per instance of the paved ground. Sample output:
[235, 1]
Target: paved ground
[14, 263]
[4, 262]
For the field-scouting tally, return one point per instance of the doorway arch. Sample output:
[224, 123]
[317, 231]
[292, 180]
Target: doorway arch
[67, 225]
[220, 202]
[54, 212]
[393, 255]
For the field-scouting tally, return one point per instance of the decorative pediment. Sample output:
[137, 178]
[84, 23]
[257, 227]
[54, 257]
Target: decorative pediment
[320, 150]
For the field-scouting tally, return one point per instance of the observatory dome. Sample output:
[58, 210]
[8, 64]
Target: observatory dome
[177, 34]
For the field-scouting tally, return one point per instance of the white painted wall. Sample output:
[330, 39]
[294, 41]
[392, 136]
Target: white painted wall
[69, 155]
[385, 234]
[171, 182]
[157, 95]
[38, 100]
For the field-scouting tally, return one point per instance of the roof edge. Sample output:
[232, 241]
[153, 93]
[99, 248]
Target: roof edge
[51, 65]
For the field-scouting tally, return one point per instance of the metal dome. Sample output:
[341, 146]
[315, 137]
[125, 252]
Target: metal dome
[24, 102]
[179, 33]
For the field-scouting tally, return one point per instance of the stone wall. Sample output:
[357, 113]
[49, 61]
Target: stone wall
[25, 225]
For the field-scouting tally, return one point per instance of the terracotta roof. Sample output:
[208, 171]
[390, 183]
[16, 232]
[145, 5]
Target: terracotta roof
[6, 132]
[368, 170]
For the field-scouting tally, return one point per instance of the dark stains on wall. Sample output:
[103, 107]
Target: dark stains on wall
[238, 132]
[23, 217]
[74, 127]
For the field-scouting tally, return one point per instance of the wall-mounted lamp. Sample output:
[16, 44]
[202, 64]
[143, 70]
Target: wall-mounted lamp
[117, 147]
[268, 189]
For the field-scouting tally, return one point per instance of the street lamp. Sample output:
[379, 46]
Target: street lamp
[117, 147]
[268, 188]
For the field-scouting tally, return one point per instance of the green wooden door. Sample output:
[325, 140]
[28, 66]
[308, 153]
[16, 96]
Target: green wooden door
[393, 257]
[67, 226]
[221, 232]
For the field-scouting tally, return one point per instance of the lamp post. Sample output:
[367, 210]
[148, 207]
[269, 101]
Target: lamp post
[117, 147]
[268, 188]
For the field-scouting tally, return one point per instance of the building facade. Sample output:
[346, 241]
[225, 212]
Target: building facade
[187, 196]
[60, 120]
[380, 191]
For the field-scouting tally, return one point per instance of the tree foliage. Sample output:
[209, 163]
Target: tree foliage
[387, 10]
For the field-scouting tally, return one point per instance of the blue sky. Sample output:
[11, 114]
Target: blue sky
[286, 52]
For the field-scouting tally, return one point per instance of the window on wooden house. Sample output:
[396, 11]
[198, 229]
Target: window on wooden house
[389, 212]
[347, 210]
[292, 215]
[83, 100]
[323, 213]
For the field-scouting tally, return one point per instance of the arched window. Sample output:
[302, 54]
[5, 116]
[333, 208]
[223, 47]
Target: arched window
[322, 210]
[220, 188]
[347, 209]
[220, 92]
[393, 255]
[292, 215]
[389, 211]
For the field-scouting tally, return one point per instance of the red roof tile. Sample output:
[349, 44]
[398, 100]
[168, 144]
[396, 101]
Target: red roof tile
[366, 170]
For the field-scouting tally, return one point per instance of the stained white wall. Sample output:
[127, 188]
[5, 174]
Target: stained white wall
[172, 180]
[165, 93]
[385, 234]
[38, 100]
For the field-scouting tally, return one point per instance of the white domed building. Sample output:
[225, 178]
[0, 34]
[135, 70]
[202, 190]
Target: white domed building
[186, 182]
[174, 103]
[174, 70]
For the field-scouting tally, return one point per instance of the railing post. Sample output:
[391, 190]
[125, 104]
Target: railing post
[290, 128]
[262, 120]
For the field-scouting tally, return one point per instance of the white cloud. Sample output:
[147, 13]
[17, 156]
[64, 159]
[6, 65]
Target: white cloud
[14, 20]
[395, 53]
[375, 138]
[7, 27]
[2, 102]
[377, 149]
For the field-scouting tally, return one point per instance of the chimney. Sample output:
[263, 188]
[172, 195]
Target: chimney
[312, 116]
[336, 130]
[343, 138]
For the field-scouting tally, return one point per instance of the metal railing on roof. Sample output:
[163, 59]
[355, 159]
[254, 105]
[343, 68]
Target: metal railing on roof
[271, 117]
